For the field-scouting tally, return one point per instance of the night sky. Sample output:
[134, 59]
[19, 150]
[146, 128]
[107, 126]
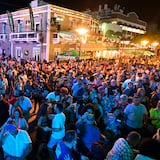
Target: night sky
[147, 10]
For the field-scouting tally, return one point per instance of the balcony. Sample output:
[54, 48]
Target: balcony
[3, 37]
[25, 37]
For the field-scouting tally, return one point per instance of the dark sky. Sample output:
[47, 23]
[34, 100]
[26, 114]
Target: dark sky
[147, 10]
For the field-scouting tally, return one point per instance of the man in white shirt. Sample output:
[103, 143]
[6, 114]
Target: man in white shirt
[54, 96]
[16, 143]
[26, 105]
[58, 129]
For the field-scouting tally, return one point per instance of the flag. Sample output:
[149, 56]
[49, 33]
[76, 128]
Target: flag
[10, 20]
[31, 18]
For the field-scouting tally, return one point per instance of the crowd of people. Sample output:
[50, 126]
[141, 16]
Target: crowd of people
[87, 109]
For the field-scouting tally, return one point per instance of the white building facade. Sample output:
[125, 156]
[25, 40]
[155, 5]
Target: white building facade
[53, 32]
[45, 30]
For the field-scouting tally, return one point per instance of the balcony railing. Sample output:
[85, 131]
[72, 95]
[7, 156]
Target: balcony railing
[3, 37]
[25, 36]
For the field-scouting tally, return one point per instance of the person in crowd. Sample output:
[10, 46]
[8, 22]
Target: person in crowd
[88, 133]
[129, 90]
[18, 87]
[98, 109]
[54, 96]
[45, 89]
[57, 128]
[28, 89]
[106, 103]
[69, 101]
[82, 91]
[131, 79]
[25, 104]
[82, 120]
[123, 102]
[42, 137]
[4, 110]
[123, 147]
[94, 93]
[143, 98]
[3, 84]
[16, 143]
[36, 95]
[13, 104]
[135, 116]
[155, 97]
[70, 113]
[19, 119]
[70, 79]
[82, 103]
[89, 108]
[146, 84]
[10, 78]
[122, 76]
[153, 83]
[23, 76]
[149, 149]
[155, 115]
[103, 89]
[76, 87]
[66, 149]
[43, 121]
[113, 122]
[64, 93]
[97, 151]
[139, 84]
[112, 87]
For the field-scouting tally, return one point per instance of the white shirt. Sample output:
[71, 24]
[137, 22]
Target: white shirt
[15, 146]
[25, 104]
[53, 97]
[59, 123]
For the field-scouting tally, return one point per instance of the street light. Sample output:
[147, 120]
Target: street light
[154, 45]
[144, 44]
[81, 32]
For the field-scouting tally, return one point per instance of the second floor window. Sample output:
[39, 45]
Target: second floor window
[37, 27]
[4, 29]
[20, 26]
